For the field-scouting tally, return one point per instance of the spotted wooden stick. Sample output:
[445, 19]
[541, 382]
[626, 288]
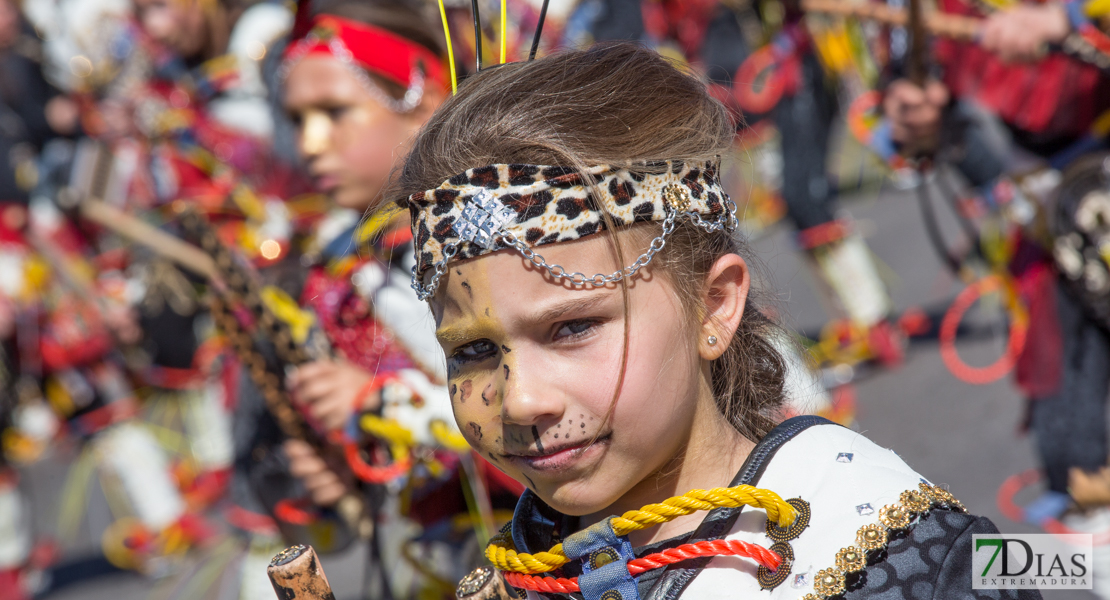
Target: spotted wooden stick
[485, 583]
[296, 575]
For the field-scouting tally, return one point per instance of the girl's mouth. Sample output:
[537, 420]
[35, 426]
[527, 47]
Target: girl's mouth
[326, 183]
[559, 457]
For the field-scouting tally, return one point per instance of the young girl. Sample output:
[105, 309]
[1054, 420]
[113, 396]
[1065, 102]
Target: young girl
[656, 378]
[359, 83]
[354, 116]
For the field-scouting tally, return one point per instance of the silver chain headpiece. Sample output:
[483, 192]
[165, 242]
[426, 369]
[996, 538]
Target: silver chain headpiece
[523, 206]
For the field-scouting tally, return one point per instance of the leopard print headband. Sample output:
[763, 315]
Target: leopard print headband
[525, 206]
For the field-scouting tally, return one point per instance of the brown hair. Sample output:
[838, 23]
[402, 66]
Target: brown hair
[612, 104]
[409, 19]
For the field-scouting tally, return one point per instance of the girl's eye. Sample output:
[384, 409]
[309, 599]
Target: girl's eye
[336, 113]
[574, 329]
[474, 351]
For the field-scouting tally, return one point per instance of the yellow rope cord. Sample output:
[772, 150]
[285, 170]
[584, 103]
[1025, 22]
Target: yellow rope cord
[450, 51]
[504, 556]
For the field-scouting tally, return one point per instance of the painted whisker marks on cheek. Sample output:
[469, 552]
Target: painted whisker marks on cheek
[487, 394]
[517, 437]
[506, 367]
[487, 311]
[469, 291]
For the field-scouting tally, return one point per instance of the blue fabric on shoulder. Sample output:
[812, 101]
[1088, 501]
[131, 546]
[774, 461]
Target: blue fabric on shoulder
[605, 559]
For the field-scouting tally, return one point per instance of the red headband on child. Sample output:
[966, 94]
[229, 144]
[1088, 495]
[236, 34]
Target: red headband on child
[373, 48]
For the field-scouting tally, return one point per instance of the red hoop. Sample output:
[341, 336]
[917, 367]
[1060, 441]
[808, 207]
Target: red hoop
[1019, 326]
[370, 473]
[743, 89]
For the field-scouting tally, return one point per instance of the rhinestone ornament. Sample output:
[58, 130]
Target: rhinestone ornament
[914, 501]
[677, 197]
[829, 582]
[871, 537]
[474, 582]
[850, 559]
[894, 516]
[483, 219]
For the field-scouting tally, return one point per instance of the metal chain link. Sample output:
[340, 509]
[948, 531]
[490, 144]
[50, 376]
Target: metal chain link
[726, 221]
[599, 280]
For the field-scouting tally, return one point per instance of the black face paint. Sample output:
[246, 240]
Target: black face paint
[536, 435]
[458, 272]
[469, 292]
[492, 457]
[487, 311]
[454, 388]
[517, 437]
[506, 372]
[530, 482]
[466, 388]
[505, 349]
[489, 390]
[476, 430]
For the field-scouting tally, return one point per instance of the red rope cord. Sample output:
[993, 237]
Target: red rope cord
[670, 556]
[560, 585]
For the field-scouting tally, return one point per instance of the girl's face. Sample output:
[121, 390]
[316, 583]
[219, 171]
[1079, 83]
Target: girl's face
[348, 139]
[177, 24]
[533, 366]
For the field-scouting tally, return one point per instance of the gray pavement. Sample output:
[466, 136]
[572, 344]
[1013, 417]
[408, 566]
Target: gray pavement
[964, 436]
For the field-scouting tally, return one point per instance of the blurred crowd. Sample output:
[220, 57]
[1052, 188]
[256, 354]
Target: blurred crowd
[204, 293]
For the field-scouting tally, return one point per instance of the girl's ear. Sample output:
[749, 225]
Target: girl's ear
[725, 295]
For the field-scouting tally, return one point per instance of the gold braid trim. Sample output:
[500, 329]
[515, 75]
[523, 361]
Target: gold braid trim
[911, 506]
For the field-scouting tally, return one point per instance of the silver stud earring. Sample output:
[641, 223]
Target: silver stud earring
[712, 340]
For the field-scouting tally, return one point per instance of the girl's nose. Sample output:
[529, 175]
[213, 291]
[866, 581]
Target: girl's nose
[528, 397]
[315, 133]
